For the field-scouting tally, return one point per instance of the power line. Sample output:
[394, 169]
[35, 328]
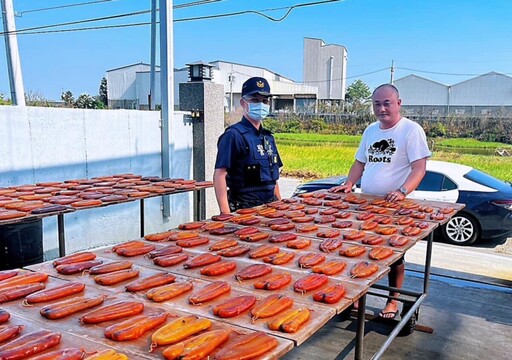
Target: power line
[323, 81]
[201, 2]
[351, 77]
[260, 12]
[195, 3]
[22, 31]
[31, 30]
[86, 28]
[435, 72]
[20, 13]
[180, 6]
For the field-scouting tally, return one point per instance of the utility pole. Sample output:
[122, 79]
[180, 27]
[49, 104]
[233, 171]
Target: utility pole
[231, 80]
[13, 57]
[151, 96]
[392, 72]
[167, 90]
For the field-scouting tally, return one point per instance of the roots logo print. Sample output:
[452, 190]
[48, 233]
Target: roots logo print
[383, 147]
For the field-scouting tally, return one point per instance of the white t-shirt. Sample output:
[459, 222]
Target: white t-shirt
[388, 154]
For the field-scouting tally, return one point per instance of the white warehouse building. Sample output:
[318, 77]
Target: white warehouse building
[485, 95]
[324, 68]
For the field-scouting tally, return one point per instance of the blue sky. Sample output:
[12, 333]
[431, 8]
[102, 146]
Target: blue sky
[454, 38]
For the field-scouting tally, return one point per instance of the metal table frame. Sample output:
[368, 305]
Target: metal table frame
[414, 309]
[198, 206]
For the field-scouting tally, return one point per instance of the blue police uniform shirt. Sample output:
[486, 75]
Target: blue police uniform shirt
[252, 162]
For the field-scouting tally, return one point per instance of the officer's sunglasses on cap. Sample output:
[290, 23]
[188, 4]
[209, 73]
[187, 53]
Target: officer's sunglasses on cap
[258, 99]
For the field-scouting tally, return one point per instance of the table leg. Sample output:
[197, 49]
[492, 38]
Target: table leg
[62, 237]
[428, 259]
[142, 218]
[361, 310]
[198, 205]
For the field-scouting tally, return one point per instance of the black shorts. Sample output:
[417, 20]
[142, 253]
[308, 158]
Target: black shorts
[241, 202]
[398, 262]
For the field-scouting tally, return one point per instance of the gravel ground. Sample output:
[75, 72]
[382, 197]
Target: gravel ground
[505, 248]
[288, 185]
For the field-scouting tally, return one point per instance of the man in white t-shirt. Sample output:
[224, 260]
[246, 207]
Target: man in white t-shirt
[390, 161]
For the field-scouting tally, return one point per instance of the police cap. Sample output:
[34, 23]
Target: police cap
[256, 85]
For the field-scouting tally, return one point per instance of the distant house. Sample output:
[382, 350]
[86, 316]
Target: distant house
[324, 67]
[485, 95]
[122, 86]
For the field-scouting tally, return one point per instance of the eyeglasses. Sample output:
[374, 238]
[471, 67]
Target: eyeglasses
[258, 99]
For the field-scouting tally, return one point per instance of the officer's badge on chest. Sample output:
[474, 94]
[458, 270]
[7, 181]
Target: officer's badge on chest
[260, 149]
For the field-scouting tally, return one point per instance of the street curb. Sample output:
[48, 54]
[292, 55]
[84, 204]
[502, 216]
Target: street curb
[459, 275]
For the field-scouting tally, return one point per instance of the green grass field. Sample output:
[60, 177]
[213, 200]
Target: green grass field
[471, 144]
[316, 156]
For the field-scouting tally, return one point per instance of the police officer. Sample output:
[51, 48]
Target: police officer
[247, 159]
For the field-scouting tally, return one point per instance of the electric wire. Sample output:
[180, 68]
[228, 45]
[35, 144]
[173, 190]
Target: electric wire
[180, 6]
[435, 72]
[87, 28]
[30, 31]
[260, 12]
[195, 3]
[324, 81]
[20, 13]
[349, 77]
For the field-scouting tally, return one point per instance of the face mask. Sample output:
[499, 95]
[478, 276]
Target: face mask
[258, 111]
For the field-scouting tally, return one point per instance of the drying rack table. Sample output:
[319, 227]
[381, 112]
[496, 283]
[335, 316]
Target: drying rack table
[151, 189]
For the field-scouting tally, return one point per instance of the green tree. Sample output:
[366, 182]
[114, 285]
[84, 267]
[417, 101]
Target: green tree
[3, 100]
[358, 97]
[68, 98]
[103, 96]
[85, 101]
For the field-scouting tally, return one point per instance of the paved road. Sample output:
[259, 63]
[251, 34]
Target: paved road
[487, 261]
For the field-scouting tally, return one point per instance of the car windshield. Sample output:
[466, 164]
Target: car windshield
[486, 180]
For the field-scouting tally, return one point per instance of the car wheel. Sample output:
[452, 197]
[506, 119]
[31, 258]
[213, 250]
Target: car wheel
[462, 229]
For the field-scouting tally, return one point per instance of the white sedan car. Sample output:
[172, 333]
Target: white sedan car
[488, 210]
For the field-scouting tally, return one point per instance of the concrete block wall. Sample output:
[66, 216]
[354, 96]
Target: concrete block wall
[52, 144]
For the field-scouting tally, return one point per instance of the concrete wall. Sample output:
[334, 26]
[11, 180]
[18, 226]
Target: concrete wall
[50, 144]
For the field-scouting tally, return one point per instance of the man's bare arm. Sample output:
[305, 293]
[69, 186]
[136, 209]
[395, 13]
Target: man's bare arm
[221, 189]
[356, 171]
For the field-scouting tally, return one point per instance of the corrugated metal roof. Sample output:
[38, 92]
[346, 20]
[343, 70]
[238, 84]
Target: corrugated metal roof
[415, 90]
[324, 44]
[491, 89]
[250, 66]
[488, 89]
[129, 66]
